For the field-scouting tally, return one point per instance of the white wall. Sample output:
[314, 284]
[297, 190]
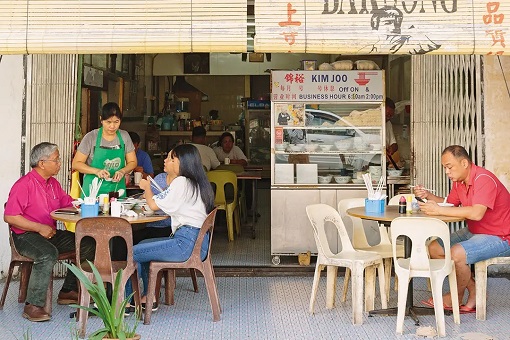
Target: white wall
[11, 100]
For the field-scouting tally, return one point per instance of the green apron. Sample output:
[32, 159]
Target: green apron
[108, 159]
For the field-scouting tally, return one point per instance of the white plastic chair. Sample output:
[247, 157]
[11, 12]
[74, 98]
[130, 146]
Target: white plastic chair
[419, 229]
[481, 268]
[356, 261]
[395, 199]
[359, 242]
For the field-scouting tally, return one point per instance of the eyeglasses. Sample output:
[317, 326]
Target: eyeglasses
[58, 160]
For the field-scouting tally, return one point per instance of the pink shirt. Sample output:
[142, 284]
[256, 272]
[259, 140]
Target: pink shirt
[35, 198]
[484, 188]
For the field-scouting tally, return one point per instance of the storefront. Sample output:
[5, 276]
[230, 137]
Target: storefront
[53, 34]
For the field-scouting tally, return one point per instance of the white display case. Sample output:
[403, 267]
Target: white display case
[328, 129]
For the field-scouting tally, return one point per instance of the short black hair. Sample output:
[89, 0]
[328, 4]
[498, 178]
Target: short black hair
[459, 152]
[390, 103]
[225, 135]
[111, 109]
[198, 131]
[135, 138]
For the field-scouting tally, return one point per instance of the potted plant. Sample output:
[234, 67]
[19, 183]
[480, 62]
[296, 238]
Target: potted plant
[111, 313]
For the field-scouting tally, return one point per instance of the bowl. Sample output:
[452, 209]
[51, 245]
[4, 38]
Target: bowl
[358, 181]
[128, 205]
[311, 147]
[280, 147]
[296, 147]
[325, 147]
[342, 179]
[394, 172]
[344, 144]
[375, 170]
[324, 179]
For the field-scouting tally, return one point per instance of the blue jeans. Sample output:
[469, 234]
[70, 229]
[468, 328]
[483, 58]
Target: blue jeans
[478, 247]
[176, 248]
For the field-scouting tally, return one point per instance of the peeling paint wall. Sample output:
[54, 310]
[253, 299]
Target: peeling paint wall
[497, 116]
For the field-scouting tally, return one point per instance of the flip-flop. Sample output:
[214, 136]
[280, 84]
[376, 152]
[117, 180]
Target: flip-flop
[463, 309]
[430, 303]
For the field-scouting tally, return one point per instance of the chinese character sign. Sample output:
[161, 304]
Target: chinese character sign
[325, 86]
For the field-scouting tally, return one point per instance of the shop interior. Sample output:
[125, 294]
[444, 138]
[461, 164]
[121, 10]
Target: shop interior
[163, 95]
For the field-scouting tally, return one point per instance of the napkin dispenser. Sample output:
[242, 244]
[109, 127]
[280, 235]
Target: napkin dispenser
[89, 210]
[374, 206]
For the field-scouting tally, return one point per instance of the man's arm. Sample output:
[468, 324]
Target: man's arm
[22, 223]
[474, 213]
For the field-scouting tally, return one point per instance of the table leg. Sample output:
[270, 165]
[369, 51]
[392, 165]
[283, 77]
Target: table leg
[254, 206]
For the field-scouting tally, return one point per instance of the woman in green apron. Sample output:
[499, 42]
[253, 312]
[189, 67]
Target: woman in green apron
[107, 153]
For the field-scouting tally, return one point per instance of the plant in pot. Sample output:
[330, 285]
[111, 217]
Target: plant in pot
[111, 313]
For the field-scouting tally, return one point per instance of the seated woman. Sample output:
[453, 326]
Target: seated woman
[188, 199]
[227, 149]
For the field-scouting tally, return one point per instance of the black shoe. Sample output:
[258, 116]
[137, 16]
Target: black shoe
[154, 306]
[129, 310]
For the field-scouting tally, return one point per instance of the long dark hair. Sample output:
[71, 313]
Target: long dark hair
[190, 166]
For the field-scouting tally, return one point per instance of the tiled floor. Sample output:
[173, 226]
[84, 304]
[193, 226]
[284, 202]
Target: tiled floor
[265, 307]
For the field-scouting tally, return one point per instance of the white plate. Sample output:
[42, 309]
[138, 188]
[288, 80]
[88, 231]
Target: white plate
[445, 204]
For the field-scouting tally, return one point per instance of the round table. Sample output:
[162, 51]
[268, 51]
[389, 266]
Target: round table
[70, 218]
[385, 218]
[391, 212]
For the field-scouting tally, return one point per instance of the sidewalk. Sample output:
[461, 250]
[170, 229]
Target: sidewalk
[267, 308]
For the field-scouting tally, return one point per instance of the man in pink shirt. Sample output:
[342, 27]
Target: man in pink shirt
[480, 198]
[27, 211]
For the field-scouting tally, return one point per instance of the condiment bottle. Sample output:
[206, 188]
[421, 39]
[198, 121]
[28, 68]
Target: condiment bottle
[409, 208]
[402, 203]
[106, 206]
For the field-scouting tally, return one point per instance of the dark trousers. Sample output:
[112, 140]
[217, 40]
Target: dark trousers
[45, 253]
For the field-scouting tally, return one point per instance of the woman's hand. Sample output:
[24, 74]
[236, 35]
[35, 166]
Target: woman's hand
[102, 173]
[144, 184]
[118, 176]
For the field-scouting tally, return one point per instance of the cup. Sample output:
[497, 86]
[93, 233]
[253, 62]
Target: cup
[227, 161]
[138, 177]
[116, 208]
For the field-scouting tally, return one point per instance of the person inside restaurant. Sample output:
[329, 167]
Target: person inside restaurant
[187, 200]
[144, 163]
[106, 153]
[227, 149]
[208, 156]
[478, 196]
[27, 212]
[391, 141]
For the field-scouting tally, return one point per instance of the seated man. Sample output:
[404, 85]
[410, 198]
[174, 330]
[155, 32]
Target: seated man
[209, 159]
[484, 202]
[227, 149]
[144, 160]
[35, 234]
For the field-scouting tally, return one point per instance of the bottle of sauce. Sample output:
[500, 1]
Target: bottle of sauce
[402, 205]
[106, 206]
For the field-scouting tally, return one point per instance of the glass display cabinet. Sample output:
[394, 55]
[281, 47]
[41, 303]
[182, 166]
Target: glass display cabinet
[258, 132]
[328, 129]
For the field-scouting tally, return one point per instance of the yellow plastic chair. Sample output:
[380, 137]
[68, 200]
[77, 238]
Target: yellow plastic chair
[238, 168]
[74, 193]
[226, 198]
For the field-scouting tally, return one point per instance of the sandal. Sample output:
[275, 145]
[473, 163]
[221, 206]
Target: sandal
[463, 309]
[430, 303]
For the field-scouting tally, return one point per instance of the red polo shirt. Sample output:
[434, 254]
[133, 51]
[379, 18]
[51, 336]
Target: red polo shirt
[484, 188]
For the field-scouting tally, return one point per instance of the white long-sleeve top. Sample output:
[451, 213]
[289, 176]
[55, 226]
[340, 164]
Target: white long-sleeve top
[183, 207]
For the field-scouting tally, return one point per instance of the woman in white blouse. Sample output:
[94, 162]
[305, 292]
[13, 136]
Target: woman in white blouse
[187, 200]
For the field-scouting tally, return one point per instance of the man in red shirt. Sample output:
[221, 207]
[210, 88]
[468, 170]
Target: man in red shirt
[27, 211]
[480, 198]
